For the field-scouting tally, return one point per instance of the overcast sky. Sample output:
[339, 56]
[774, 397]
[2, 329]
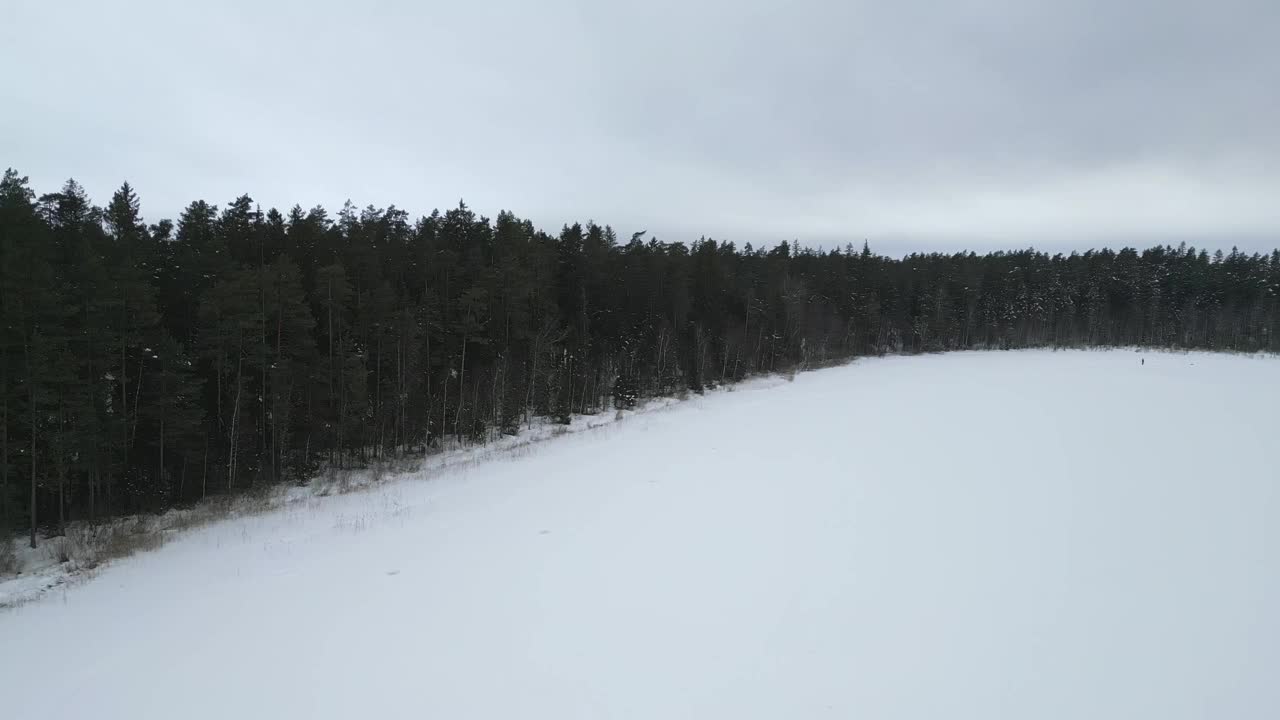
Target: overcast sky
[914, 124]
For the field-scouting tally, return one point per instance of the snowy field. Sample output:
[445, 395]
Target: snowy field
[974, 535]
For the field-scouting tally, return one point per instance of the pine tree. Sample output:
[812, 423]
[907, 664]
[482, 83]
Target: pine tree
[229, 330]
[241, 347]
[290, 355]
[31, 353]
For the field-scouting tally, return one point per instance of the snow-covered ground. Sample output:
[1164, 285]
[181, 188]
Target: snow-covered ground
[973, 535]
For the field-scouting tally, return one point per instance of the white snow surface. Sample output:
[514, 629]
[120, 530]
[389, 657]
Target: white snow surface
[971, 535]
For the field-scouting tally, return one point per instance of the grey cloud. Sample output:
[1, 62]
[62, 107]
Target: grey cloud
[914, 124]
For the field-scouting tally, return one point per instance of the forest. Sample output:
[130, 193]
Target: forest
[147, 366]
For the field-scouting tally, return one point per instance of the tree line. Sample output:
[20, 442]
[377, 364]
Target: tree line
[145, 366]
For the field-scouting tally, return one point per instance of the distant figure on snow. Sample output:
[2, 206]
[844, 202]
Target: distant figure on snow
[1144, 361]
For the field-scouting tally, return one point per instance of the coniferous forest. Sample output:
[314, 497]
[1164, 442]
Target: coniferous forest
[145, 366]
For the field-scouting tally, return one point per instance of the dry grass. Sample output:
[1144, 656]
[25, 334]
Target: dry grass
[85, 547]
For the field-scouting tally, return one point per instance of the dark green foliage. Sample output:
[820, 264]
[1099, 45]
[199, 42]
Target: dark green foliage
[625, 393]
[148, 366]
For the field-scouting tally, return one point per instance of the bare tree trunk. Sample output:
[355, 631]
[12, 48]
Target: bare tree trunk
[532, 380]
[266, 400]
[444, 407]
[235, 421]
[62, 502]
[397, 428]
[426, 371]
[204, 476]
[277, 461]
[161, 468]
[124, 381]
[568, 400]
[377, 398]
[329, 289]
[475, 400]
[4, 418]
[4, 441]
[62, 469]
[31, 399]
[33, 476]
[95, 477]
[499, 402]
[462, 377]
[137, 402]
